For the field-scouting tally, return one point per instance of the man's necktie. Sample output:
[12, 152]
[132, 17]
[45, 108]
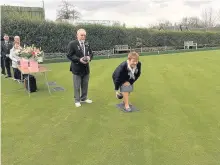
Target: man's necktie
[83, 48]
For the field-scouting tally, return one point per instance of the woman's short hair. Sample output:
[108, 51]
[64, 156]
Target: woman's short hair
[133, 55]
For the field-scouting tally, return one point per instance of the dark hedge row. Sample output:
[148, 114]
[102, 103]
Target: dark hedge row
[54, 37]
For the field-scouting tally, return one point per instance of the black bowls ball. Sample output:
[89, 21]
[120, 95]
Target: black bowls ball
[119, 96]
[85, 59]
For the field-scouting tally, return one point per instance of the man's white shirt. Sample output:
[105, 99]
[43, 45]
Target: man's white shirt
[80, 42]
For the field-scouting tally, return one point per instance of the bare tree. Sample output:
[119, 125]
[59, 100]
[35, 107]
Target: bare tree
[195, 22]
[208, 18]
[165, 23]
[185, 21]
[67, 11]
[191, 22]
[218, 16]
[162, 25]
[116, 23]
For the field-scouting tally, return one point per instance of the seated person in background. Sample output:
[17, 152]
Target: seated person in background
[125, 75]
[15, 61]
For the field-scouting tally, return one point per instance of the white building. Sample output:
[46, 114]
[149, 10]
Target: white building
[100, 22]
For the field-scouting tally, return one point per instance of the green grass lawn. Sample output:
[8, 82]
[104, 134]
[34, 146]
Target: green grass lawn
[178, 123]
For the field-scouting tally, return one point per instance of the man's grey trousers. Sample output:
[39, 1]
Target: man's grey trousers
[80, 82]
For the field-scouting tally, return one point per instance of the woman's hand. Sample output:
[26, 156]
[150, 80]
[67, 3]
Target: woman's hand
[126, 83]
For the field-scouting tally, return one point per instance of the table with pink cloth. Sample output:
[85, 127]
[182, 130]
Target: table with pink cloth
[33, 68]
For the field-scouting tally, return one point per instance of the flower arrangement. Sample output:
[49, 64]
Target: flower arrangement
[31, 53]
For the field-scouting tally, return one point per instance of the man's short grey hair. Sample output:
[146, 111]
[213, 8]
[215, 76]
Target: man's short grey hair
[81, 30]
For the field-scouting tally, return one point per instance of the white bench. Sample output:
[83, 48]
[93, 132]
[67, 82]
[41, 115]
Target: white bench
[119, 48]
[187, 44]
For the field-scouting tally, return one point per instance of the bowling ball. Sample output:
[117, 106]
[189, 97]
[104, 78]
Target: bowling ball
[119, 96]
[85, 59]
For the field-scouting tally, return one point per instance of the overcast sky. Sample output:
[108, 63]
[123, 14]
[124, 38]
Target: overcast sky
[133, 12]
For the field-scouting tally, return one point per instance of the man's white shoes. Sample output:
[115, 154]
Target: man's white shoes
[85, 101]
[77, 104]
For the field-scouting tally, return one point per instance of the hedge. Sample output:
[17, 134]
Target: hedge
[54, 37]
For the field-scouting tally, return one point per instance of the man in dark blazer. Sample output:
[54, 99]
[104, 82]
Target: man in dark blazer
[2, 59]
[80, 54]
[6, 46]
[125, 75]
